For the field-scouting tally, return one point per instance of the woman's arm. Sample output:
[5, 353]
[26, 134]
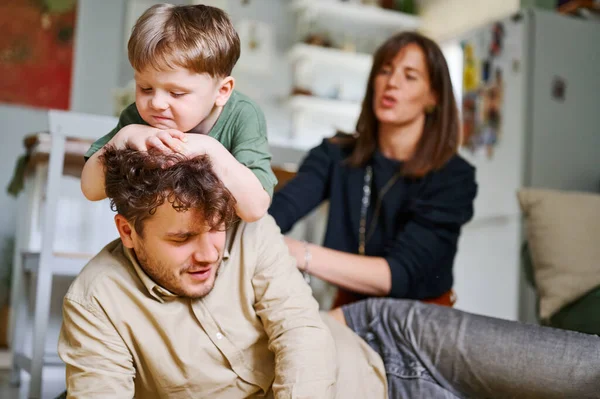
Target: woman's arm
[306, 190]
[422, 254]
[368, 275]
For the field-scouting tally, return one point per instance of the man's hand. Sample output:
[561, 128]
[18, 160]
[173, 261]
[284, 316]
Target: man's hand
[142, 138]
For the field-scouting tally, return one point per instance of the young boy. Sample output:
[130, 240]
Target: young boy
[183, 57]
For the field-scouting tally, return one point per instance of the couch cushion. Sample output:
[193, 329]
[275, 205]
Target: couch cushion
[563, 231]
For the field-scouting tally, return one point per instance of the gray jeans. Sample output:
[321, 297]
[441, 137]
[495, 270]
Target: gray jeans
[431, 351]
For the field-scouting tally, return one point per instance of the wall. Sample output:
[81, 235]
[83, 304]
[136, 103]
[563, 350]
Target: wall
[98, 54]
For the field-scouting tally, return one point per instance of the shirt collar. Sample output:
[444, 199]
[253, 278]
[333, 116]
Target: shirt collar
[155, 290]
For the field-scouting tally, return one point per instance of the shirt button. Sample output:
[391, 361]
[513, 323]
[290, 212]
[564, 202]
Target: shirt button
[219, 336]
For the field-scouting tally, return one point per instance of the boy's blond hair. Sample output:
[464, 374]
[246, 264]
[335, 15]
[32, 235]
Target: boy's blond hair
[196, 37]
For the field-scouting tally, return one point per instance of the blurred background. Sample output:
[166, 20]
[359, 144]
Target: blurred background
[530, 65]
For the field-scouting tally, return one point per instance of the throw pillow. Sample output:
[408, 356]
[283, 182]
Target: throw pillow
[563, 231]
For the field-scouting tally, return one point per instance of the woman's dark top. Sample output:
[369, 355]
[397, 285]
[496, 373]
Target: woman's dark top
[419, 222]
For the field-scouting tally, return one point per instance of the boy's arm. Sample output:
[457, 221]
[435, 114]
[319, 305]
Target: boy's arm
[249, 145]
[252, 200]
[92, 178]
[305, 357]
[99, 364]
[250, 148]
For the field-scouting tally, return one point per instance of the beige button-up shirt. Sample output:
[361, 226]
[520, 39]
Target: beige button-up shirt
[257, 333]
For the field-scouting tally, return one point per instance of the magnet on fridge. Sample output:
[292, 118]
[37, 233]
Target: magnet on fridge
[559, 88]
[485, 71]
[516, 64]
[497, 42]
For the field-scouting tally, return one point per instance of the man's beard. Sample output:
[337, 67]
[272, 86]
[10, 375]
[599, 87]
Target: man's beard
[165, 278]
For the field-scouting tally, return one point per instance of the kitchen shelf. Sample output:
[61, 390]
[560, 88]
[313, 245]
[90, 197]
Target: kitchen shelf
[324, 106]
[330, 56]
[356, 13]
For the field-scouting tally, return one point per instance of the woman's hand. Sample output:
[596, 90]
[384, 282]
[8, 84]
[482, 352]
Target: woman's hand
[368, 275]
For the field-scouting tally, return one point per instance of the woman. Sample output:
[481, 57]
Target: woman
[399, 193]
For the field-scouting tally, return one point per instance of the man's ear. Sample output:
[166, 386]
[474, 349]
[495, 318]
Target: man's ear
[225, 89]
[125, 230]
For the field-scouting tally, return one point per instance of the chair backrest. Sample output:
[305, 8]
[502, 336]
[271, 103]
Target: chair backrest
[63, 124]
[79, 125]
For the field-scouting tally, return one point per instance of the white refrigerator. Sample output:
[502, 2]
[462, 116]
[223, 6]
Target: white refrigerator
[528, 88]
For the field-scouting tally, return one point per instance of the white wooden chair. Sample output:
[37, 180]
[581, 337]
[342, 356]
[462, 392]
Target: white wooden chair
[35, 258]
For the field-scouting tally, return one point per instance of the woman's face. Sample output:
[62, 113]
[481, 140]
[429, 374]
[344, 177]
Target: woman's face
[402, 89]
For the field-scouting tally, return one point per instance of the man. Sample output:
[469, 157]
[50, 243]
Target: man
[190, 304]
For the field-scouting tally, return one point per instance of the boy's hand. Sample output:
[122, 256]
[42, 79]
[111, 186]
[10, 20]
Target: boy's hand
[142, 138]
[200, 144]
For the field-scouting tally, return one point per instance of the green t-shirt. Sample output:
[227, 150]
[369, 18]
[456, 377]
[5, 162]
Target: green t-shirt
[241, 128]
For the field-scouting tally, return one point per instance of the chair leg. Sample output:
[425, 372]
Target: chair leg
[43, 289]
[40, 326]
[18, 299]
[18, 322]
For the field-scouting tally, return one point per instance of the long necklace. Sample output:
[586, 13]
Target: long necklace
[363, 237]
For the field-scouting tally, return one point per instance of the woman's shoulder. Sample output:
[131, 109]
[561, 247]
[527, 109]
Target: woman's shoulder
[456, 166]
[447, 194]
[455, 178]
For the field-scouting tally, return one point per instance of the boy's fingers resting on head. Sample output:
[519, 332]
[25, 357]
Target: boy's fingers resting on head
[177, 134]
[138, 145]
[167, 139]
[155, 142]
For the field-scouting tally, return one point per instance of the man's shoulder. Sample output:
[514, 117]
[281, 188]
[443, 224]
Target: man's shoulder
[102, 275]
[251, 236]
[263, 226]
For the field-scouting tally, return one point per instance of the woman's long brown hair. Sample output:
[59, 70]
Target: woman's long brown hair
[441, 132]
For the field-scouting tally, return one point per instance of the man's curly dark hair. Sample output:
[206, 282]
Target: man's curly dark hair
[138, 182]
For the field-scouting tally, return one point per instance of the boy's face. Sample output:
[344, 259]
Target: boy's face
[177, 98]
